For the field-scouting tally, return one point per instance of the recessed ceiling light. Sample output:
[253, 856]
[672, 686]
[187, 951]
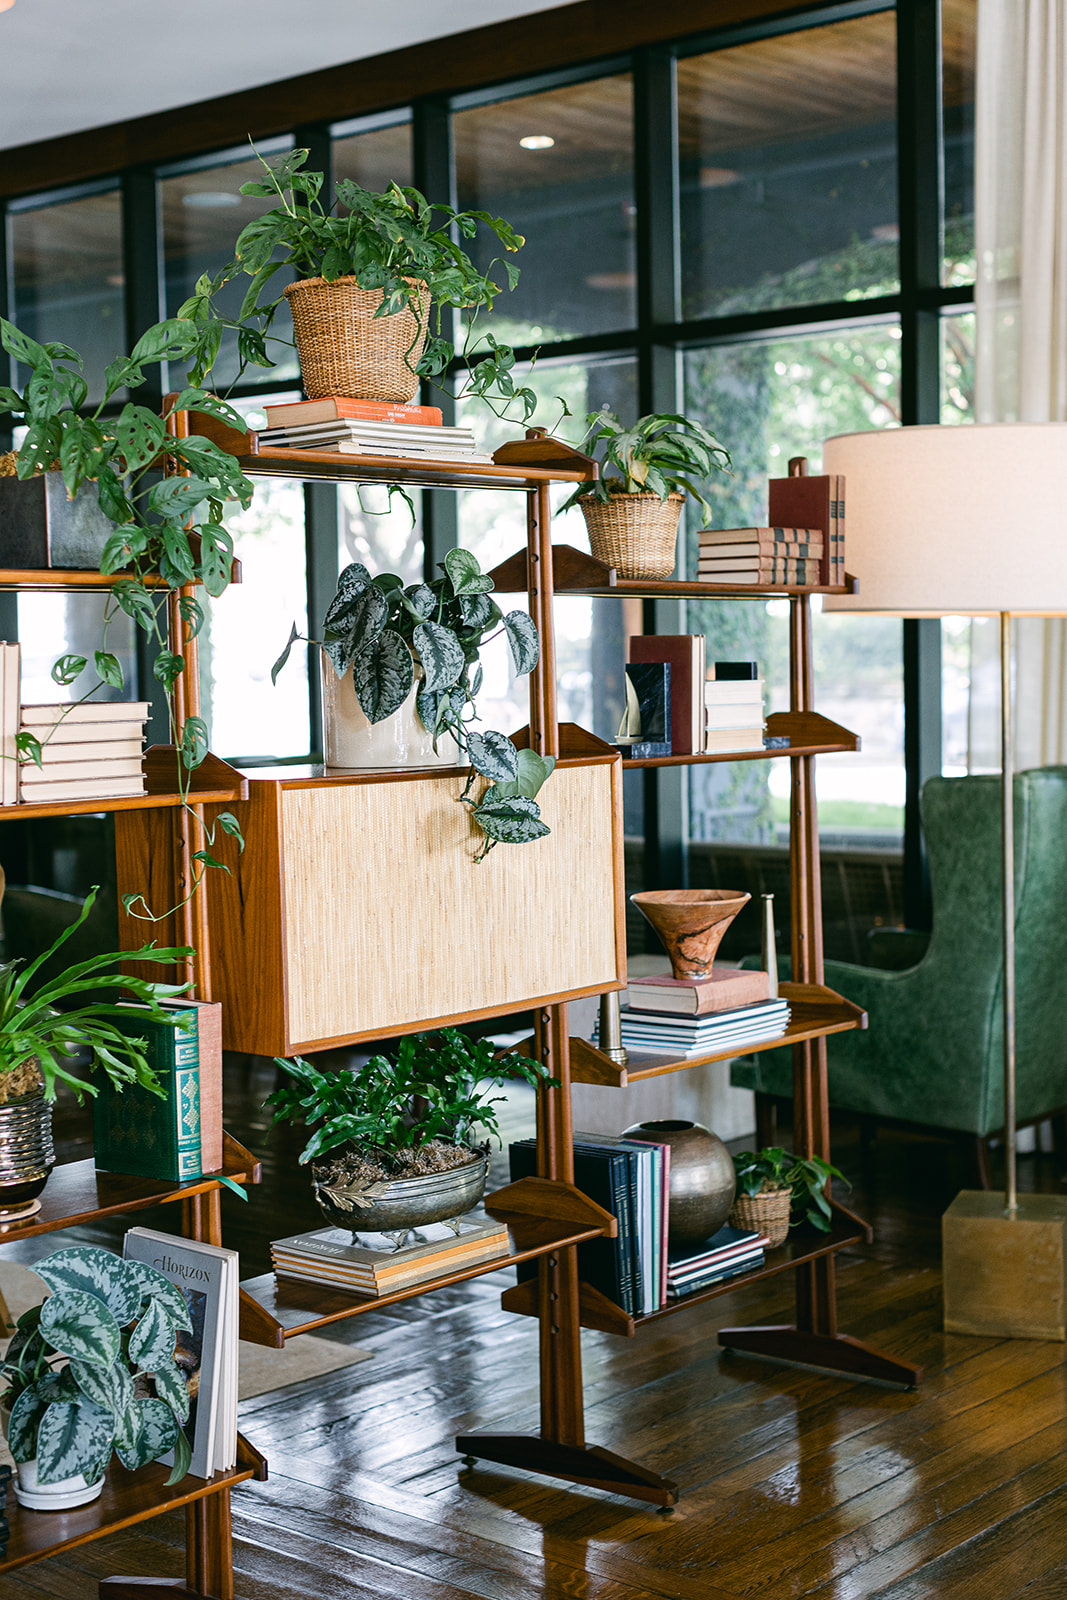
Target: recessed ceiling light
[211, 200]
[537, 141]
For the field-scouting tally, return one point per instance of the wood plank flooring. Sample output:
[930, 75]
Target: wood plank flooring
[794, 1484]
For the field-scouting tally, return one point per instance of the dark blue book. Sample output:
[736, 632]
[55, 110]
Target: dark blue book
[602, 1174]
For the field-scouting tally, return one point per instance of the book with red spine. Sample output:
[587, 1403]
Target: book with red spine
[336, 408]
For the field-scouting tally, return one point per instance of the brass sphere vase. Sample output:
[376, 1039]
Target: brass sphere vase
[702, 1179]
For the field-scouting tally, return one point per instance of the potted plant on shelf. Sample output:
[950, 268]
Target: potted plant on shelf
[44, 1029]
[391, 1144]
[403, 680]
[631, 511]
[370, 268]
[162, 534]
[774, 1185]
[91, 1370]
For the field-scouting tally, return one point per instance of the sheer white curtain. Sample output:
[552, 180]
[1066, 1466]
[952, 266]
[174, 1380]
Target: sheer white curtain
[1021, 302]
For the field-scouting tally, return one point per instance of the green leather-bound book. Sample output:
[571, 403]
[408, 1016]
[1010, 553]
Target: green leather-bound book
[138, 1132]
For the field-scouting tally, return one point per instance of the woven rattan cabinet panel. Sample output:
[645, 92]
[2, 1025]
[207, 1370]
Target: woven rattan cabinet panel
[384, 915]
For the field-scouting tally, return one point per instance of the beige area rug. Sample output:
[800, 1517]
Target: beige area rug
[262, 1370]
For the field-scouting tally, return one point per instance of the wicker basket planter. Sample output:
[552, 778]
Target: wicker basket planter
[346, 350]
[766, 1212]
[637, 534]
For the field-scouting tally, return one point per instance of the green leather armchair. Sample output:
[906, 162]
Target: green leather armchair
[932, 1054]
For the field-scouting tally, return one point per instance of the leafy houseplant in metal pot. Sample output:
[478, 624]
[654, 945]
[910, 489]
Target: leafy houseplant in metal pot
[392, 1147]
[162, 532]
[774, 1185]
[631, 511]
[369, 269]
[90, 1371]
[403, 677]
[44, 1029]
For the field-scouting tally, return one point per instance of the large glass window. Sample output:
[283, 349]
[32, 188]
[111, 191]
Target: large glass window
[373, 157]
[959, 19]
[203, 213]
[769, 401]
[68, 277]
[957, 367]
[789, 169]
[559, 166]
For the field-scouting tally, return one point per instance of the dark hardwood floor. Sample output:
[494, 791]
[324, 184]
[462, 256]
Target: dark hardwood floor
[794, 1484]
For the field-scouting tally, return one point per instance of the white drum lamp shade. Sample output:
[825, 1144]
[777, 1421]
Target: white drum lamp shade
[955, 520]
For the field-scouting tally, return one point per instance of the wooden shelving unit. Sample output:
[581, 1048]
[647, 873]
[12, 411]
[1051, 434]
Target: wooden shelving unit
[547, 1216]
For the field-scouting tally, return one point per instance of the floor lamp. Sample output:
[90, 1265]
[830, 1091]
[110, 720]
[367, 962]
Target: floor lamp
[973, 520]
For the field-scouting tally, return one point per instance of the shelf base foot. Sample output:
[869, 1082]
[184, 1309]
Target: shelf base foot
[829, 1352]
[585, 1464]
[149, 1589]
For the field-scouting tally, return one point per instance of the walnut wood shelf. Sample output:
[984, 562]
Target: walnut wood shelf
[213, 782]
[578, 573]
[542, 1217]
[809, 734]
[127, 1498]
[77, 1192]
[815, 1012]
[79, 579]
[602, 1314]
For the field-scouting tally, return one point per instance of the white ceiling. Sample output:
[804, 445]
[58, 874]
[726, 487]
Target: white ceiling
[72, 64]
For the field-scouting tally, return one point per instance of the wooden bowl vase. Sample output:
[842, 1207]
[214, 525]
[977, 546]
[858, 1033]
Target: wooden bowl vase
[690, 923]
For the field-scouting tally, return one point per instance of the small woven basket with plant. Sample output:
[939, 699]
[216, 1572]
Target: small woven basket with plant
[777, 1189]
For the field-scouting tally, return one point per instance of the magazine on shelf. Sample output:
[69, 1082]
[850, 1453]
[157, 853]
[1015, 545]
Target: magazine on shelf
[207, 1277]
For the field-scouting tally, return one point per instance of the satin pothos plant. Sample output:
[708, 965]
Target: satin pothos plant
[387, 634]
[166, 497]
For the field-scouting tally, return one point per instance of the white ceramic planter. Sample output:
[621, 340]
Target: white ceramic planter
[350, 740]
[59, 1496]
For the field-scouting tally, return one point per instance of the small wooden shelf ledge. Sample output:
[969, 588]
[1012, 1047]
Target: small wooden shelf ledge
[815, 1011]
[541, 1216]
[597, 1311]
[76, 1192]
[577, 572]
[127, 1498]
[213, 782]
[82, 579]
[809, 734]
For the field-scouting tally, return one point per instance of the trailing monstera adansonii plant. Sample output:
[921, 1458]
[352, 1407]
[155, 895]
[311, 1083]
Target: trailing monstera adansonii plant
[91, 1370]
[386, 633]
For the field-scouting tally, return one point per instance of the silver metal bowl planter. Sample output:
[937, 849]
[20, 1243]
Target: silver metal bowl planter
[395, 1206]
[27, 1154]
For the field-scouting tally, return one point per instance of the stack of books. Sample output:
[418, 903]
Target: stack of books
[733, 708]
[726, 1254]
[367, 428]
[207, 1278]
[89, 751]
[763, 556]
[375, 1266]
[684, 1037]
[177, 1137]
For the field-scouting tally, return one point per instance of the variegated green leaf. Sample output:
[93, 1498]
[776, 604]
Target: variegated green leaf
[365, 619]
[183, 1456]
[493, 755]
[129, 1424]
[79, 1325]
[464, 573]
[26, 1413]
[159, 1430]
[152, 1341]
[383, 676]
[109, 1387]
[533, 772]
[514, 821]
[172, 1387]
[153, 1283]
[421, 600]
[97, 1272]
[440, 653]
[352, 582]
[73, 1437]
[522, 637]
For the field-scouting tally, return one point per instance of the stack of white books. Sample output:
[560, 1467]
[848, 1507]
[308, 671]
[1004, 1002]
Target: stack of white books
[89, 751]
[359, 437]
[733, 714]
[683, 1037]
[208, 1279]
[374, 1265]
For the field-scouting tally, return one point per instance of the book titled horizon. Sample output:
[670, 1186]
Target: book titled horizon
[724, 989]
[685, 654]
[332, 408]
[207, 1276]
[65, 714]
[139, 1132]
[10, 692]
[376, 1267]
